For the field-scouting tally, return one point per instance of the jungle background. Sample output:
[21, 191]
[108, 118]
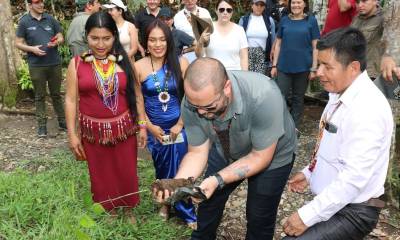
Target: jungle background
[45, 193]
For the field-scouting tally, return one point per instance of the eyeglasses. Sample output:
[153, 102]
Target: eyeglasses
[228, 10]
[207, 108]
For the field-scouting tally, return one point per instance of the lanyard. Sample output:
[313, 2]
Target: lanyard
[322, 125]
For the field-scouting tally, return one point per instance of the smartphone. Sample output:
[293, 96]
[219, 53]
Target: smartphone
[167, 140]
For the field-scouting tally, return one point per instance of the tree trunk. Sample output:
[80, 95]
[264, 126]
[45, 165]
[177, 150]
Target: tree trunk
[9, 57]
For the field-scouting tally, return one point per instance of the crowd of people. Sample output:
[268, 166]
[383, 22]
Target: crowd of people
[224, 101]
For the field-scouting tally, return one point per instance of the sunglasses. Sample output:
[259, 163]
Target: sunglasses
[228, 10]
[207, 108]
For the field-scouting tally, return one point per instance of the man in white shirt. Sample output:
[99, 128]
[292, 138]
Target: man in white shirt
[182, 20]
[349, 165]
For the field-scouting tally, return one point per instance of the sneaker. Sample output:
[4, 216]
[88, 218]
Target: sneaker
[62, 126]
[42, 132]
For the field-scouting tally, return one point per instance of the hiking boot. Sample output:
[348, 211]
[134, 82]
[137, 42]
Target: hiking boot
[42, 132]
[62, 126]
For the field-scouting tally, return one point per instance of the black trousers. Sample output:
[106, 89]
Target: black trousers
[263, 197]
[353, 222]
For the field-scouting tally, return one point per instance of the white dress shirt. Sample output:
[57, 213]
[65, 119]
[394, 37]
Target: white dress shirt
[182, 23]
[351, 163]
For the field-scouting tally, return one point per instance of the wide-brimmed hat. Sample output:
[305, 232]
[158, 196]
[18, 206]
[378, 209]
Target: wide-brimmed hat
[199, 25]
[115, 3]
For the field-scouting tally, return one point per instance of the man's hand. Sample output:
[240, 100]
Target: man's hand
[208, 187]
[388, 67]
[294, 226]
[37, 51]
[163, 188]
[298, 182]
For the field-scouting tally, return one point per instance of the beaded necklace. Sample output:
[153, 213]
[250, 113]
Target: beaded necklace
[163, 95]
[107, 82]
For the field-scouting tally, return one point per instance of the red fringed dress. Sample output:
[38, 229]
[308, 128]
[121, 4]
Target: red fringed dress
[109, 141]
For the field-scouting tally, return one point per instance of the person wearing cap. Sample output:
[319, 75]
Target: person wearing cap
[260, 32]
[234, 55]
[128, 34]
[181, 39]
[182, 21]
[76, 36]
[143, 19]
[39, 35]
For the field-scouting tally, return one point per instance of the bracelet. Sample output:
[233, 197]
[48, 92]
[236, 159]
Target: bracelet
[142, 124]
[313, 69]
[274, 66]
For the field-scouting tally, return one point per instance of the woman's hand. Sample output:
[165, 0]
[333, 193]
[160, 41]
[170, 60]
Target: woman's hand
[274, 72]
[175, 130]
[157, 132]
[142, 138]
[76, 147]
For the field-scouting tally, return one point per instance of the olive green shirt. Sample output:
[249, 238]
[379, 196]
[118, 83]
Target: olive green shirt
[372, 28]
[258, 118]
[76, 35]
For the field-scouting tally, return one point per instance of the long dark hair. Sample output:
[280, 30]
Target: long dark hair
[104, 20]
[171, 59]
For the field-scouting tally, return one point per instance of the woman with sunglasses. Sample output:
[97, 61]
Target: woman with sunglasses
[228, 42]
[260, 32]
[160, 74]
[295, 55]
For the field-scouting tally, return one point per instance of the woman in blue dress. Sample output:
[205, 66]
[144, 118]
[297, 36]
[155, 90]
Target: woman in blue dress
[160, 74]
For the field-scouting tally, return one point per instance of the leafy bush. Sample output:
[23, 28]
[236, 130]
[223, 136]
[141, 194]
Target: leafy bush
[24, 79]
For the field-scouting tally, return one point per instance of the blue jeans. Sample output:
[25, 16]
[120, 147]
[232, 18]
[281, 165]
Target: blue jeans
[263, 197]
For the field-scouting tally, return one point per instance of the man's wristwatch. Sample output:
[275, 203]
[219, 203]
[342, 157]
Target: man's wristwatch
[221, 183]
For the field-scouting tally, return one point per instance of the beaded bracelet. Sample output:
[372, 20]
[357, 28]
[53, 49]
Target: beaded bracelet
[142, 124]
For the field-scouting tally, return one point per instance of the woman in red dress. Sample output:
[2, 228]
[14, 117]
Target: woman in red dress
[104, 98]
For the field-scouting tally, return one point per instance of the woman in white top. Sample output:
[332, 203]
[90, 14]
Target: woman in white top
[228, 42]
[260, 32]
[128, 34]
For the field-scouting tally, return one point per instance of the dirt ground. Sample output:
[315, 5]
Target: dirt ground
[18, 142]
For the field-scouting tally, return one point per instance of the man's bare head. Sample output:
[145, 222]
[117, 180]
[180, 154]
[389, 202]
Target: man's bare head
[204, 72]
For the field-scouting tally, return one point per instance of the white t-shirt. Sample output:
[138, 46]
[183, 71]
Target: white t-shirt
[257, 33]
[226, 48]
[181, 22]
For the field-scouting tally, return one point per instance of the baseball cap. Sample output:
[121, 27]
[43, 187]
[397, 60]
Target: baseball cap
[256, 1]
[115, 3]
[165, 12]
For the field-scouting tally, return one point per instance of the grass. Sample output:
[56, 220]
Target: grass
[56, 204]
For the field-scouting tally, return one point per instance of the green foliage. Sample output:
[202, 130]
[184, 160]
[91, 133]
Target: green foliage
[10, 97]
[56, 204]
[24, 79]
[63, 49]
